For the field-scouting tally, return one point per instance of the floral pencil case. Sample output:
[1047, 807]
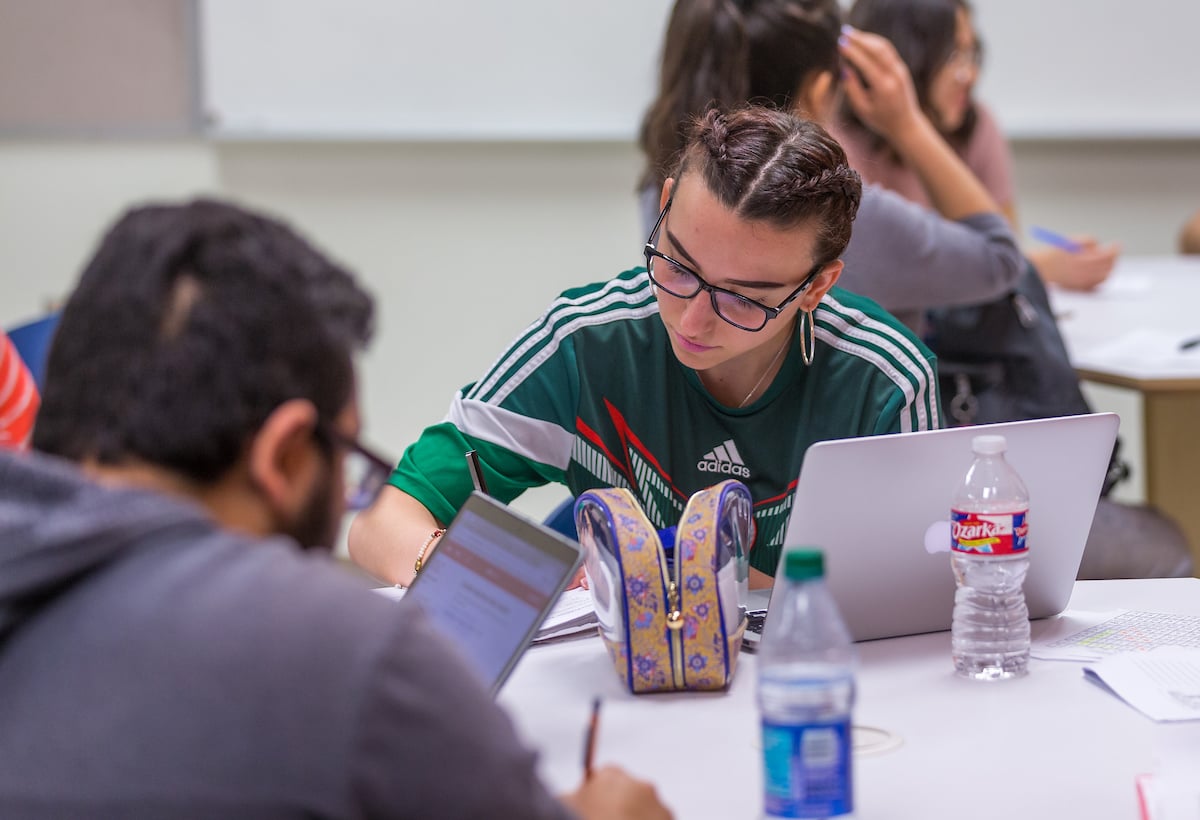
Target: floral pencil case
[670, 617]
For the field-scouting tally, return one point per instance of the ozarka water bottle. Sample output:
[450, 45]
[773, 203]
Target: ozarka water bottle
[805, 695]
[990, 629]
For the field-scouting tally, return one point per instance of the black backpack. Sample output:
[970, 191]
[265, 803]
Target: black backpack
[1006, 361]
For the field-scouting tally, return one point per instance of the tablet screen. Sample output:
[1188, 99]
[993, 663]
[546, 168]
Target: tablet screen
[490, 582]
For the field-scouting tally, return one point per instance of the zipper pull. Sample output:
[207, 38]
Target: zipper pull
[674, 616]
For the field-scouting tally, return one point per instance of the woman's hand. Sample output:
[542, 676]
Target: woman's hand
[880, 90]
[878, 85]
[1083, 269]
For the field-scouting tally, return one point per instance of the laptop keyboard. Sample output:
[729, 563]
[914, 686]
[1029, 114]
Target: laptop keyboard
[755, 620]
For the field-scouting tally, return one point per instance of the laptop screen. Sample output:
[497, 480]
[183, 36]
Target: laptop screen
[490, 582]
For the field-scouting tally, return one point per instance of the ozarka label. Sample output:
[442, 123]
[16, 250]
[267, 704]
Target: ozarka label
[988, 533]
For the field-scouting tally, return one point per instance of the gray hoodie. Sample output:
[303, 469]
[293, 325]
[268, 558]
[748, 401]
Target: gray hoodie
[153, 664]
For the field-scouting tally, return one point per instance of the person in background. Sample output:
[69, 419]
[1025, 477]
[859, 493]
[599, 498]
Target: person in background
[1189, 236]
[18, 398]
[168, 646]
[726, 357]
[786, 53]
[938, 44]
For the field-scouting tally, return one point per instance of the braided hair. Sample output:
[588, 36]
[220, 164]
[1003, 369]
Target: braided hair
[768, 165]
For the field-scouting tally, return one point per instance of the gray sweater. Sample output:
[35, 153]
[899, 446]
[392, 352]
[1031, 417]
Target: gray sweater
[155, 665]
[909, 259]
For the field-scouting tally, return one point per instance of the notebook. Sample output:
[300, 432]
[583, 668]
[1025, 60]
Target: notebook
[873, 503]
[490, 583]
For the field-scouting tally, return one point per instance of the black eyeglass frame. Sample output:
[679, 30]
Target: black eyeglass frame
[363, 495]
[769, 313]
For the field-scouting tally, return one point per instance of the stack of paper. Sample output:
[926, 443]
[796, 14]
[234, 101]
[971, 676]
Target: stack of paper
[1162, 684]
[1090, 636]
[572, 614]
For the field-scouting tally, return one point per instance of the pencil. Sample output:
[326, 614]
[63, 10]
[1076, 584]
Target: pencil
[476, 471]
[589, 741]
[1056, 239]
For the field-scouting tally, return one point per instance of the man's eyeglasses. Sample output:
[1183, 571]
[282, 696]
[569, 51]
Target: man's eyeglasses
[681, 281]
[365, 471]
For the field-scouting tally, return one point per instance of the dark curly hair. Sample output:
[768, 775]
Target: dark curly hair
[188, 327]
[768, 165]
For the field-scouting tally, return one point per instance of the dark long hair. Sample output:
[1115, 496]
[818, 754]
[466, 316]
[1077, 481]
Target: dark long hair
[725, 53]
[923, 33]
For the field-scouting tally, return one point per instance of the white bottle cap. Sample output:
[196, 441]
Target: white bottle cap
[989, 445]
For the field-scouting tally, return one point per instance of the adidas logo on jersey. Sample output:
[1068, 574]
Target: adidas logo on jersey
[724, 459]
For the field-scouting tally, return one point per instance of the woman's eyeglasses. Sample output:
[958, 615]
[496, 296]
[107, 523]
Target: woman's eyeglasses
[680, 281]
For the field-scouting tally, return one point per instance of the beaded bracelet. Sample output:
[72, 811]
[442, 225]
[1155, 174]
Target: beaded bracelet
[433, 536]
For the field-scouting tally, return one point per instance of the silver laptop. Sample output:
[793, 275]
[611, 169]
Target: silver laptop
[490, 582]
[878, 505]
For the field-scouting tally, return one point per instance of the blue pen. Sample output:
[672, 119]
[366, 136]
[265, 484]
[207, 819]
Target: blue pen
[1055, 239]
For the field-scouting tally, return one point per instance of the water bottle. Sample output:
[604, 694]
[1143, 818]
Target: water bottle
[805, 695]
[990, 629]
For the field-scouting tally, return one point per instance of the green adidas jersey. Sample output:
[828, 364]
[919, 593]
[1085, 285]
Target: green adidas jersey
[591, 395]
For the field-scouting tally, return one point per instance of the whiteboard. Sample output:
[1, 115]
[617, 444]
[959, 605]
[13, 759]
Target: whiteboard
[1092, 68]
[455, 69]
[568, 70]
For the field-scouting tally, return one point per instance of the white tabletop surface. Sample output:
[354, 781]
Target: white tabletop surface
[1050, 745]
[1134, 323]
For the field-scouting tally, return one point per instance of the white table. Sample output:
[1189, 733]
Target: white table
[1127, 334]
[1071, 749]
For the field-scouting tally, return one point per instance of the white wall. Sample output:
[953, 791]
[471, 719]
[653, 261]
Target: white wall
[465, 244]
[1136, 192]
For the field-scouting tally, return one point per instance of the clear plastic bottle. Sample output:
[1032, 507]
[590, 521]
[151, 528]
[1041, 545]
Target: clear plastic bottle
[805, 695]
[990, 630]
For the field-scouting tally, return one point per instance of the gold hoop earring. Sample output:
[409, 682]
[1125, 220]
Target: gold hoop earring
[808, 349]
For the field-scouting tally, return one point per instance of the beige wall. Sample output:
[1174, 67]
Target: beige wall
[464, 244]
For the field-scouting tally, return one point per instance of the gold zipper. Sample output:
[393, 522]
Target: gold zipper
[674, 616]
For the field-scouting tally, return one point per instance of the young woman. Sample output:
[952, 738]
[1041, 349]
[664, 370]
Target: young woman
[727, 356]
[787, 53]
[938, 44]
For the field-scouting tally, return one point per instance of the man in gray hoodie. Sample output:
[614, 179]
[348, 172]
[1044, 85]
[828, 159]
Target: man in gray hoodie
[168, 648]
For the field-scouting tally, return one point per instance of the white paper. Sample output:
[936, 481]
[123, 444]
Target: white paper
[395, 593]
[1168, 798]
[1171, 790]
[1055, 639]
[1092, 636]
[572, 613]
[1163, 683]
[1144, 353]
